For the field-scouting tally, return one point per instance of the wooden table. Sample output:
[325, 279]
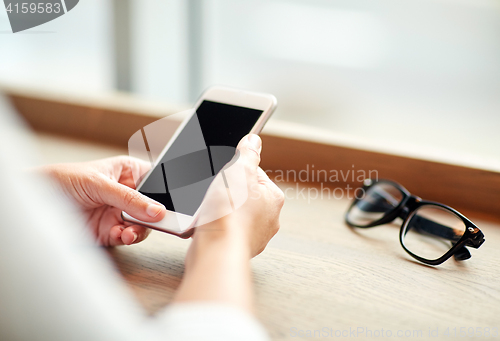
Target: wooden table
[321, 279]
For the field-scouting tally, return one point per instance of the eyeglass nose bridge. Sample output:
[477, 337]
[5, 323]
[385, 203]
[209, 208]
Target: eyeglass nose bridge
[408, 206]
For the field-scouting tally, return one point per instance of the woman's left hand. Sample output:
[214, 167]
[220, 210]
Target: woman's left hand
[103, 189]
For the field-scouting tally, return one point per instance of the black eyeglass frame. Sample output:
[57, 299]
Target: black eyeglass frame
[408, 206]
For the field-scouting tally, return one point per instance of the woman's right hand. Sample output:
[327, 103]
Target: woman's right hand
[247, 210]
[236, 223]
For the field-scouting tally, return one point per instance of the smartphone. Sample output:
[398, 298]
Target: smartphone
[202, 145]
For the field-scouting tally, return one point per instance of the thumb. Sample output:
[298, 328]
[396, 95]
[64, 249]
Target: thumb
[131, 201]
[249, 149]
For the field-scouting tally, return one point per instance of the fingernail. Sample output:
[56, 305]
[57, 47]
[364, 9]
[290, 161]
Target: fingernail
[255, 141]
[153, 210]
[135, 237]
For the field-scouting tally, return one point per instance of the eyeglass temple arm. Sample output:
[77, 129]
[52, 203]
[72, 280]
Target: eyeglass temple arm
[426, 226]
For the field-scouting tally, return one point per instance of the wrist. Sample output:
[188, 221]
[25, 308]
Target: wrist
[222, 235]
[219, 257]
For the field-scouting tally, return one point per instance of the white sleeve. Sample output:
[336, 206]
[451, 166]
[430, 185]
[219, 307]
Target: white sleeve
[56, 284]
[214, 322]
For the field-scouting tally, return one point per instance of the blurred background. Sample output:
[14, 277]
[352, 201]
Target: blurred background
[404, 73]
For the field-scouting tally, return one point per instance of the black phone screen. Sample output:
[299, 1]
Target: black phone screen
[206, 143]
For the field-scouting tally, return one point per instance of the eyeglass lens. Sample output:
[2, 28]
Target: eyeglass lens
[378, 200]
[432, 231]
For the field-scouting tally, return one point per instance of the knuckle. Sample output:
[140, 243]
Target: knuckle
[123, 159]
[249, 171]
[131, 198]
[276, 227]
[252, 154]
[281, 198]
[255, 154]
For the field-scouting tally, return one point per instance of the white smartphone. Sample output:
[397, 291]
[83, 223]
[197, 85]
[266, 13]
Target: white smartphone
[192, 158]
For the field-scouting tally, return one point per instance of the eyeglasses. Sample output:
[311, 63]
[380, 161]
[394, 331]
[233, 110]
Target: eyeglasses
[431, 232]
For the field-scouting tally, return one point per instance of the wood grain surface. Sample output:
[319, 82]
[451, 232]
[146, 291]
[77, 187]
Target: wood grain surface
[319, 276]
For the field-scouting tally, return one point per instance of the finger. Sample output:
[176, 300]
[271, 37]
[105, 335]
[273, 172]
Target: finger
[134, 234]
[249, 150]
[115, 234]
[129, 200]
[274, 190]
[142, 165]
[262, 176]
[132, 169]
[139, 168]
[265, 180]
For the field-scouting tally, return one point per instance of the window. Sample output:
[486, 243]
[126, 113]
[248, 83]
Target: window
[418, 72]
[72, 53]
